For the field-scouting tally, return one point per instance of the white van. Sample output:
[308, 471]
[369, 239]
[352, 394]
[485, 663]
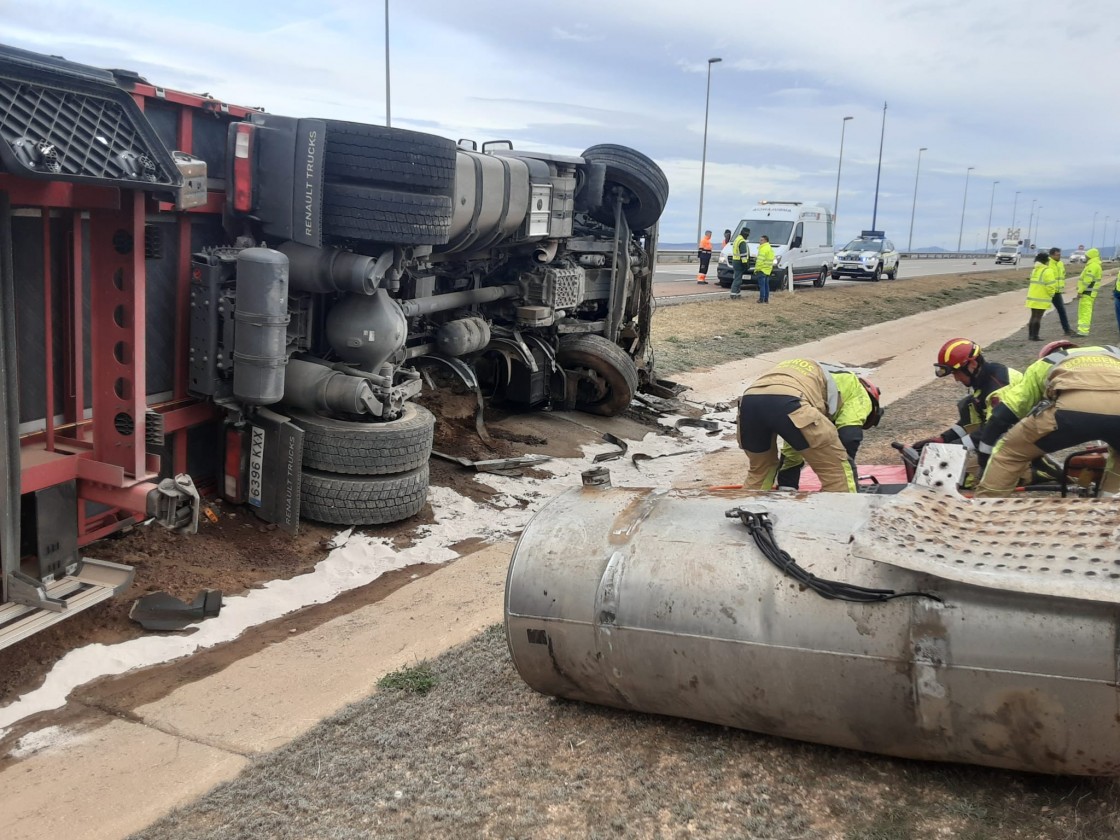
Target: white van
[800, 234]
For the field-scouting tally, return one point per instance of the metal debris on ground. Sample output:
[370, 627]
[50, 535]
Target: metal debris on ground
[610, 456]
[498, 466]
[638, 457]
[161, 611]
[713, 427]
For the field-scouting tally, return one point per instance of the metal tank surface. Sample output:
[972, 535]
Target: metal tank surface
[657, 601]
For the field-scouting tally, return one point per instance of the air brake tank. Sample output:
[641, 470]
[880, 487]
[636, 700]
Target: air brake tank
[655, 601]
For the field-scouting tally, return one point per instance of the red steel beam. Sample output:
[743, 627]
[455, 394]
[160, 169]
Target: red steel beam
[27, 192]
[118, 339]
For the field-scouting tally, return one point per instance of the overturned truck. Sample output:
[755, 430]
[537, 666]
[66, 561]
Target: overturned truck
[202, 297]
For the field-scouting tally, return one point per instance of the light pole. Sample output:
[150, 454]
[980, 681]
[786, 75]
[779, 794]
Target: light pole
[1015, 208]
[1094, 233]
[836, 200]
[914, 206]
[1115, 237]
[704, 153]
[990, 206]
[1037, 218]
[1030, 220]
[388, 111]
[1104, 229]
[878, 169]
[963, 205]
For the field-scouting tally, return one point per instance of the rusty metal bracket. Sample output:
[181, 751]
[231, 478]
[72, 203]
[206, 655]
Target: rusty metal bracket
[610, 456]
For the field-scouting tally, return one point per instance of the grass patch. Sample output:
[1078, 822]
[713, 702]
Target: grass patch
[708, 333]
[416, 680]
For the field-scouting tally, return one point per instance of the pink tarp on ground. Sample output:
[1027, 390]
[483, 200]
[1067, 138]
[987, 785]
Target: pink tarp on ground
[892, 474]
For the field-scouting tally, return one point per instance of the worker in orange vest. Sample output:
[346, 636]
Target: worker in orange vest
[705, 253]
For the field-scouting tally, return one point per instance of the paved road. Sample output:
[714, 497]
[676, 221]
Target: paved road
[679, 279]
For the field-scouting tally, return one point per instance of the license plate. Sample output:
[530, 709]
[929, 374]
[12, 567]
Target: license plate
[256, 466]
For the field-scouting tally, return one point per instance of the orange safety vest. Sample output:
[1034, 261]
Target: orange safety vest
[706, 244]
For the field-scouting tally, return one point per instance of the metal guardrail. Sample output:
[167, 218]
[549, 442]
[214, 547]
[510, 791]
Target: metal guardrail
[670, 255]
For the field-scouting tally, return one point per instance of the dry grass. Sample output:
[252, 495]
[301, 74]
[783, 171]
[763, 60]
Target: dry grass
[708, 333]
[482, 755]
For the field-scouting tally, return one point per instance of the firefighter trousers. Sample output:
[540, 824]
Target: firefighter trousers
[1073, 418]
[765, 417]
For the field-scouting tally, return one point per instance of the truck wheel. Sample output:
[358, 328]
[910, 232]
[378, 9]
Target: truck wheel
[821, 278]
[362, 499]
[641, 178]
[377, 215]
[367, 447]
[835, 275]
[391, 157]
[607, 377]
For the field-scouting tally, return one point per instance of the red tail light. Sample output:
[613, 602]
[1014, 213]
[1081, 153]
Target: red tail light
[243, 168]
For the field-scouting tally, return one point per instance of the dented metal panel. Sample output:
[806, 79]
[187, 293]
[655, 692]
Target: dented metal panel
[1074, 554]
[652, 600]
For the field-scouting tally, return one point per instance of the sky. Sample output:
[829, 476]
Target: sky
[1027, 93]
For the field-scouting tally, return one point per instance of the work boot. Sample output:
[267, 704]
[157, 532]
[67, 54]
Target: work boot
[1032, 332]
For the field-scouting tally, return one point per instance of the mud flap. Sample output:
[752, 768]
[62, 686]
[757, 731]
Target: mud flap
[275, 468]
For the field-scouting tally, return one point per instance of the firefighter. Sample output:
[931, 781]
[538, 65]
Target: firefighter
[964, 361]
[820, 412]
[740, 260]
[704, 252]
[1088, 284]
[1071, 395]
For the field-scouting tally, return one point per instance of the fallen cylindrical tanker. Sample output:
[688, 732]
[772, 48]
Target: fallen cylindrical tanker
[991, 644]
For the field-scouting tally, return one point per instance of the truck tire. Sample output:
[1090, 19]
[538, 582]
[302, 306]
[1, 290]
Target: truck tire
[378, 215]
[362, 499]
[608, 377]
[391, 157]
[821, 278]
[367, 448]
[640, 177]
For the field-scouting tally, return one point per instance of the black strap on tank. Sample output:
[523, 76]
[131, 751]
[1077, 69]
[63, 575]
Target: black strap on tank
[762, 530]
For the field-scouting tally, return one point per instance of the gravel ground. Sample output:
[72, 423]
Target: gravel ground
[481, 755]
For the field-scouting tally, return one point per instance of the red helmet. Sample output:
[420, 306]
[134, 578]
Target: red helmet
[1060, 344]
[876, 410]
[954, 355]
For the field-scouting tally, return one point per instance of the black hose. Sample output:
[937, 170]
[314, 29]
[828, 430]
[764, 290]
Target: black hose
[762, 530]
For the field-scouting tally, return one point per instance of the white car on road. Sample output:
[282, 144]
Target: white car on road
[1078, 256]
[866, 257]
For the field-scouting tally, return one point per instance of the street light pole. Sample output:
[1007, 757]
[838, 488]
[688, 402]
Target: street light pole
[836, 200]
[963, 205]
[1104, 229]
[990, 206]
[879, 168]
[388, 110]
[704, 153]
[1030, 220]
[914, 206]
[1037, 219]
[1115, 236]
[1015, 208]
[1094, 233]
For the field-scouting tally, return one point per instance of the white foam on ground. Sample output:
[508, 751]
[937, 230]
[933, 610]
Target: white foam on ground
[361, 559]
